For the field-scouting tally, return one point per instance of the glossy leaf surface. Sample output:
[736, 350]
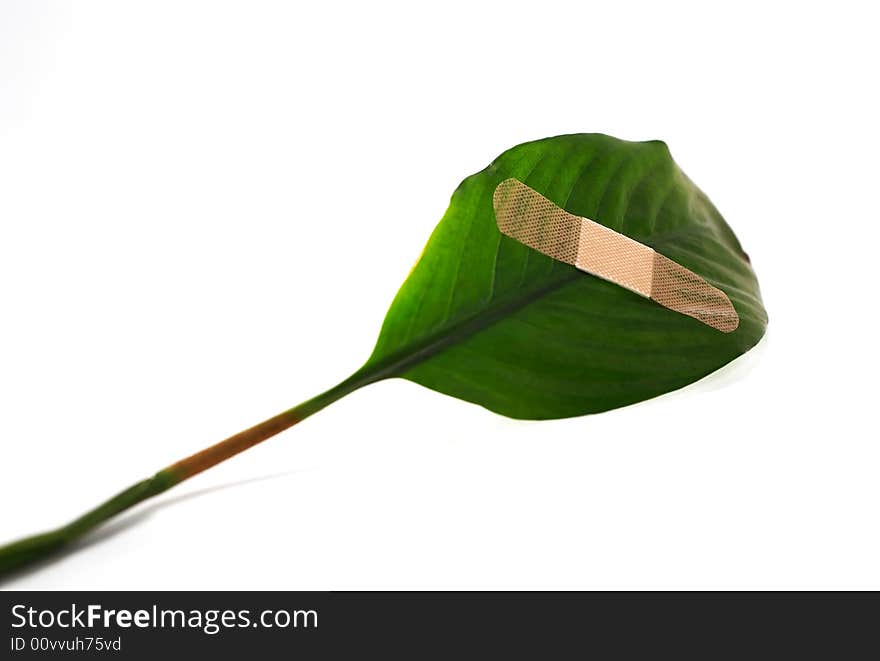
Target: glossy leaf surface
[488, 320]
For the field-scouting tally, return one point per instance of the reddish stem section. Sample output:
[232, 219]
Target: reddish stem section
[213, 455]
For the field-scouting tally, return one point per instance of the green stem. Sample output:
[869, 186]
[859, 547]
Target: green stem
[32, 549]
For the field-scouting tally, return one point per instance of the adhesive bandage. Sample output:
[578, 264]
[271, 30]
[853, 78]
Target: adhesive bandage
[527, 216]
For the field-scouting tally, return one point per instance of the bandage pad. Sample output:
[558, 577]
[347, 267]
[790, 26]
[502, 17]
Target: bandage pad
[527, 216]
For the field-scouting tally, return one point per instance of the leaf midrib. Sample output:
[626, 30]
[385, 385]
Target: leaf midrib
[396, 364]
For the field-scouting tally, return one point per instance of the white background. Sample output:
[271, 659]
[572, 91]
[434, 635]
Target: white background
[206, 208]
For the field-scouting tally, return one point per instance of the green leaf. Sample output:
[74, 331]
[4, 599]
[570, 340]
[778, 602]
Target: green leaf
[484, 318]
[491, 321]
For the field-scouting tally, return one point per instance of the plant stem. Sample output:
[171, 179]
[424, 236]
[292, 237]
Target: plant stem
[32, 549]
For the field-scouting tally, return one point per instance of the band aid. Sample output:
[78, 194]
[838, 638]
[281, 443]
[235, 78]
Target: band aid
[527, 216]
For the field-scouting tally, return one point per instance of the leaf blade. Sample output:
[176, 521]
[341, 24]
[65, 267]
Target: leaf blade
[488, 320]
